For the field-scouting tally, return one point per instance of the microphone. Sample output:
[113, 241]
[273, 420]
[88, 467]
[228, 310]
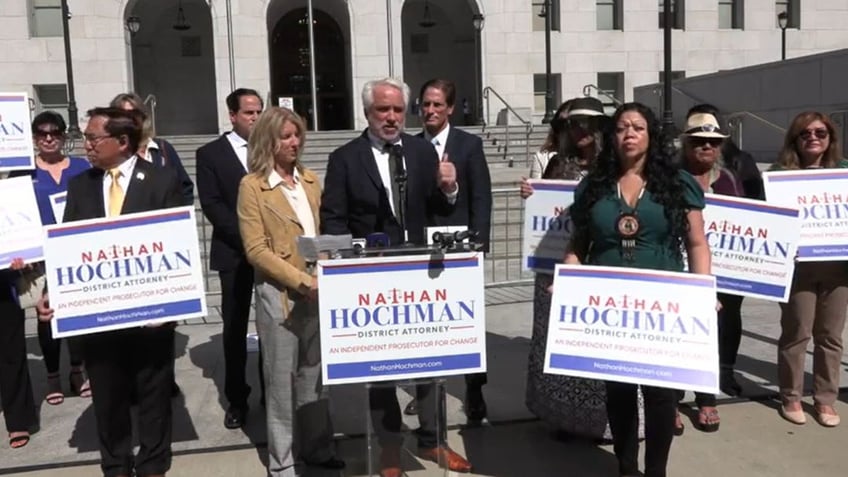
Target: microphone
[396, 154]
[465, 234]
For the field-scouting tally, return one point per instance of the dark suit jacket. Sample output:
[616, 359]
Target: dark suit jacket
[219, 173]
[355, 200]
[474, 202]
[166, 156]
[150, 188]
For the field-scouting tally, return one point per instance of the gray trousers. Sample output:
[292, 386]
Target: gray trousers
[297, 408]
[816, 309]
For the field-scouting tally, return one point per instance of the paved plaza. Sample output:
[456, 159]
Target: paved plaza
[753, 440]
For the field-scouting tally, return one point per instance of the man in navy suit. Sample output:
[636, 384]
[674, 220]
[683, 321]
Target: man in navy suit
[220, 166]
[361, 197]
[473, 204]
[134, 359]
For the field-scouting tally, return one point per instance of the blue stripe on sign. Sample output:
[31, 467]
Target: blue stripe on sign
[767, 208]
[824, 176]
[822, 250]
[627, 369]
[26, 254]
[133, 315]
[330, 269]
[390, 367]
[74, 229]
[541, 263]
[635, 274]
[729, 285]
[16, 161]
[555, 187]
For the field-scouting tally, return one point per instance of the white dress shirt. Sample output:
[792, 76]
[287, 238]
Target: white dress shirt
[239, 145]
[126, 169]
[297, 198]
[439, 140]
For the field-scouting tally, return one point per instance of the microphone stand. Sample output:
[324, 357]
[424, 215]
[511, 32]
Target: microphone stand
[400, 180]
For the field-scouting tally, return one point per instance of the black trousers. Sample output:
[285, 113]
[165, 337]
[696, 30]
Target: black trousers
[15, 385]
[51, 348]
[475, 381]
[118, 362]
[623, 414]
[236, 294]
[386, 418]
[729, 337]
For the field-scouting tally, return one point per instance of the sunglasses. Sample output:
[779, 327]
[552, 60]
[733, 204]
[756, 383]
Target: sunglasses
[820, 133]
[585, 124]
[713, 142]
[54, 133]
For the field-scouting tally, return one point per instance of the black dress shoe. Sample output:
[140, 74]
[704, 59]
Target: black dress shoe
[475, 405]
[235, 417]
[411, 409]
[331, 463]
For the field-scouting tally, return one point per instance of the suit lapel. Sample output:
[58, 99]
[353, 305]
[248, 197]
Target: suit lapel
[135, 190]
[369, 165]
[278, 204]
[231, 155]
[96, 189]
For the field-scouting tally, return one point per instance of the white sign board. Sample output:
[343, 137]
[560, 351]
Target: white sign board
[21, 234]
[753, 246]
[634, 326]
[822, 197]
[547, 224]
[404, 317]
[16, 151]
[124, 272]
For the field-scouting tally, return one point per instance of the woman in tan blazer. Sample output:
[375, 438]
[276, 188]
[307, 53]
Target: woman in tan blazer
[278, 202]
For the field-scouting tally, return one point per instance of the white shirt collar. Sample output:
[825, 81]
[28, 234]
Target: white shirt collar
[151, 144]
[275, 179]
[442, 136]
[379, 144]
[236, 140]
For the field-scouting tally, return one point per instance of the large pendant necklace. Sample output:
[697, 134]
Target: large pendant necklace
[628, 225]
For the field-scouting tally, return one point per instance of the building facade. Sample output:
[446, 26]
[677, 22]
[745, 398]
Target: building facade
[189, 54]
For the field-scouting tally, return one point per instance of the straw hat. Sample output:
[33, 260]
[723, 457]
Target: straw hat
[703, 125]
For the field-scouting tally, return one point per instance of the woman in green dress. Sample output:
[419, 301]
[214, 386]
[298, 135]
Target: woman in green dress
[637, 209]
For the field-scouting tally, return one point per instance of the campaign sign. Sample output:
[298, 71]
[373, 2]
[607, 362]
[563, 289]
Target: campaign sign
[822, 197]
[21, 234]
[634, 326]
[16, 151]
[390, 318]
[753, 246]
[547, 224]
[123, 272]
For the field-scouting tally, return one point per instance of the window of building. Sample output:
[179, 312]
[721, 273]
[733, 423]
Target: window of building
[609, 15]
[611, 90]
[793, 12]
[731, 14]
[539, 88]
[539, 8]
[678, 14]
[675, 75]
[51, 97]
[45, 18]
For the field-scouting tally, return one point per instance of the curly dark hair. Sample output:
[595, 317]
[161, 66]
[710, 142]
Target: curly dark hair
[661, 176]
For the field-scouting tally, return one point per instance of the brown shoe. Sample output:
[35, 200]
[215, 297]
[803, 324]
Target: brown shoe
[390, 462]
[444, 455]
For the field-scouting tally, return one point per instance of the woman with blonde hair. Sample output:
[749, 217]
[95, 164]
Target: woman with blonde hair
[819, 296]
[278, 202]
[153, 149]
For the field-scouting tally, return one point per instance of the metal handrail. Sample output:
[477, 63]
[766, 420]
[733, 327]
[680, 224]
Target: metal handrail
[741, 114]
[587, 91]
[150, 103]
[528, 126]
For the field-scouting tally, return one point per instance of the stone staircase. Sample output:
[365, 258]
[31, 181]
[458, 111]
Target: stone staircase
[507, 163]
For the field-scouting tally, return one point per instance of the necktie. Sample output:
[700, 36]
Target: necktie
[393, 170]
[116, 193]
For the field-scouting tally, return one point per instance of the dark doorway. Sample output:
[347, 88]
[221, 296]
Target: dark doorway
[289, 51]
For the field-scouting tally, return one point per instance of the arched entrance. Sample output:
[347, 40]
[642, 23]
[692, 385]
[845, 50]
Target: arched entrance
[439, 42]
[175, 64]
[289, 57]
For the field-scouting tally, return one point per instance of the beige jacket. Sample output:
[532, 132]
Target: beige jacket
[269, 230]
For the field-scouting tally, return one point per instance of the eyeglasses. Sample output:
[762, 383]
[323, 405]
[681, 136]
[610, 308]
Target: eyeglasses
[95, 140]
[54, 133]
[713, 142]
[585, 124]
[820, 133]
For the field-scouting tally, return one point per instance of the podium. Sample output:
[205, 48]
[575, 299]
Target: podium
[402, 316]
